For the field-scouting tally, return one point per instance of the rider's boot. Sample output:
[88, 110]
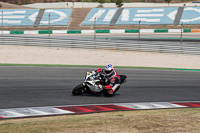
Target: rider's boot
[110, 91]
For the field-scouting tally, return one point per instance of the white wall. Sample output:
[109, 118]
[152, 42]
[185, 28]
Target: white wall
[112, 5]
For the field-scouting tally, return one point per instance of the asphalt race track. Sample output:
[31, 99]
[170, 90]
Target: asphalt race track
[52, 86]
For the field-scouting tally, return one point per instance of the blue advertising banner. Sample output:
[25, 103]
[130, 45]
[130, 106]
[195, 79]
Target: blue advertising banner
[146, 16]
[191, 15]
[27, 17]
[101, 16]
[57, 16]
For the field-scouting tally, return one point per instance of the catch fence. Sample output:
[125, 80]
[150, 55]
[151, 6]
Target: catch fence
[192, 48]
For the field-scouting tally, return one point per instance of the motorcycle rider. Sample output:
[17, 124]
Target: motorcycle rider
[112, 76]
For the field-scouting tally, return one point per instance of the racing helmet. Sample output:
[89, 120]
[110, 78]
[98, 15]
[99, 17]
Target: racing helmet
[109, 69]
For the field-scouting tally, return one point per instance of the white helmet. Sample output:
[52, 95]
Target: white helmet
[109, 69]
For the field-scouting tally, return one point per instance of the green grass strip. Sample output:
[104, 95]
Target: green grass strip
[57, 65]
[187, 69]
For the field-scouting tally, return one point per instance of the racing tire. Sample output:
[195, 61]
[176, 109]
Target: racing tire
[106, 94]
[122, 79]
[78, 90]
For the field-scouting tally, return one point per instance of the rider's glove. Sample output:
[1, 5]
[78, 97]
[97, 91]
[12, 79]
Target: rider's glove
[100, 86]
[106, 81]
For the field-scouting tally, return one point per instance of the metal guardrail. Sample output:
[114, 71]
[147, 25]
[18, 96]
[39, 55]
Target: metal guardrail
[192, 48]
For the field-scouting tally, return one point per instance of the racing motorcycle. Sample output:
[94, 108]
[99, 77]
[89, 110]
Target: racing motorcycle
[93, 84]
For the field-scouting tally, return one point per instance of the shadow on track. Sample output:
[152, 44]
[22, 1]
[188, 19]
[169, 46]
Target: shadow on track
[94, 95]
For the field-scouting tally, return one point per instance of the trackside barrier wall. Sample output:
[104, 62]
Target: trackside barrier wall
[101, 31]
[74, 31]
[45, 32]
[131, 45]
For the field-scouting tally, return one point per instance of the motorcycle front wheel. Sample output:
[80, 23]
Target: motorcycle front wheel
[78, 90]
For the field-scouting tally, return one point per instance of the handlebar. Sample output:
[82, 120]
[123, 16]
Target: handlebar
[101, 76]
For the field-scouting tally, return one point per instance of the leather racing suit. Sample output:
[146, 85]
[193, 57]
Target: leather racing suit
[113, 78]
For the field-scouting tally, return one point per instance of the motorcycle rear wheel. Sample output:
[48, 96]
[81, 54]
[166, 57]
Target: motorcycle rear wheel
[106, 94]
[78, 90]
